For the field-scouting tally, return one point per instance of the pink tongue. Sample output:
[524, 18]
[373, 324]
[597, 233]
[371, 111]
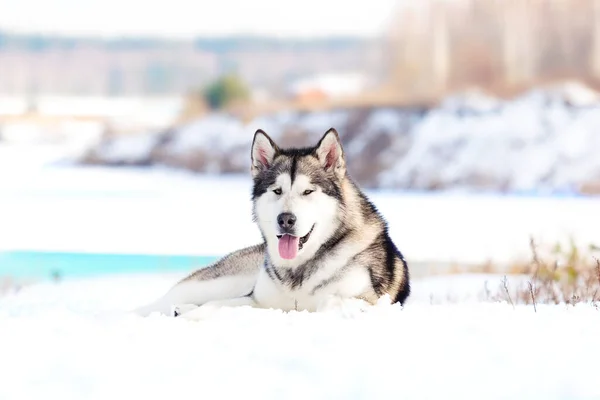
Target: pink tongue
[288, 246]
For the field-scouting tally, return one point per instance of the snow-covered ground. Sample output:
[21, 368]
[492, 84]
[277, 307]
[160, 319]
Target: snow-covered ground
[146, 111]
[76, 340]
[542, 141]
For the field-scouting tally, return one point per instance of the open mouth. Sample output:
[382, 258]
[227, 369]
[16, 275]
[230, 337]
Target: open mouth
[290, 245]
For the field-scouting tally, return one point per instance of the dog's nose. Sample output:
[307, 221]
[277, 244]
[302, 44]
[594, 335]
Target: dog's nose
[286, 221]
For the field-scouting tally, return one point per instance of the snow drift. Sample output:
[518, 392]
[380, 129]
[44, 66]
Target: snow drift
[75, 340]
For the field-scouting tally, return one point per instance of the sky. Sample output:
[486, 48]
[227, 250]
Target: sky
[188, 18]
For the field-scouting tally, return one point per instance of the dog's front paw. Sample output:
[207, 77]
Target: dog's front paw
[348, 307]
[198, 313]
[179, 309]
[330, 303]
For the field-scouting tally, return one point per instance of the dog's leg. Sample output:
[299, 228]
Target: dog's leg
[231, 277]
[209, 308]
[194, 292]
[177, 310]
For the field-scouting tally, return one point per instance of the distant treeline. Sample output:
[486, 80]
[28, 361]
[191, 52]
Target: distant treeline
[37, 42]
[41, 64]
[435, 46]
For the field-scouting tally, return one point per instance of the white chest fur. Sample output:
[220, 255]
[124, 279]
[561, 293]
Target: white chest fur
[354, 281]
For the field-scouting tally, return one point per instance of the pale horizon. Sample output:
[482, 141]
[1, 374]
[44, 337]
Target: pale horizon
[181, 19]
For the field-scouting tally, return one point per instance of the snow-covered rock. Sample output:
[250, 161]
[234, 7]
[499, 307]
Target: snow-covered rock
[545, 140]
[540, 141]
[128, 149]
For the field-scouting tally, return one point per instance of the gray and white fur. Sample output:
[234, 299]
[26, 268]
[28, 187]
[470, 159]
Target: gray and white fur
[323, 241]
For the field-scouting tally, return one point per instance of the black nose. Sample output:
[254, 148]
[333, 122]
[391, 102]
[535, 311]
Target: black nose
[286, 221]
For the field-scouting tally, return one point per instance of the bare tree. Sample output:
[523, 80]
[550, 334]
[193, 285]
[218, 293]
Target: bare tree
[439, 45]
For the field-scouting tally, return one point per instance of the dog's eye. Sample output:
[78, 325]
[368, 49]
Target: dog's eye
[277, 191]
[307, 192]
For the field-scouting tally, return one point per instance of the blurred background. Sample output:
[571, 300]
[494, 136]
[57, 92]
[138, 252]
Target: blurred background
[125, 126]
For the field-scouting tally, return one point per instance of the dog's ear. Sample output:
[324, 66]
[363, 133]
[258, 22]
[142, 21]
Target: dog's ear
[264, 151]
[330, 152]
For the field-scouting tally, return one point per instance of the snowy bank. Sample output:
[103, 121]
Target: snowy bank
[545, 140]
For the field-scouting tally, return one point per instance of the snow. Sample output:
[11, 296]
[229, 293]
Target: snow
[77, 339]
[80, 134]
[12, 105]
[332, 84]
[544, 140]
[73, 341]
[215, 132]
[152, 111]
[129, 149]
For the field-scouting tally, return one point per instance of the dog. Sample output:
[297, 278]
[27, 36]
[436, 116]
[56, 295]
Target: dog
[324, 242]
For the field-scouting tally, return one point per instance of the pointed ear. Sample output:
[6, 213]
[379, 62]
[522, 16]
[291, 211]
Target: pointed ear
[264, 151]
[330, 152]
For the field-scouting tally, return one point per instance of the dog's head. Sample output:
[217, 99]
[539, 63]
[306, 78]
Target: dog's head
[297, 195]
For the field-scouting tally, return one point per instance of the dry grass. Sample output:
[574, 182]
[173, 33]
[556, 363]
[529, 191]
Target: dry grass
[561, 276]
